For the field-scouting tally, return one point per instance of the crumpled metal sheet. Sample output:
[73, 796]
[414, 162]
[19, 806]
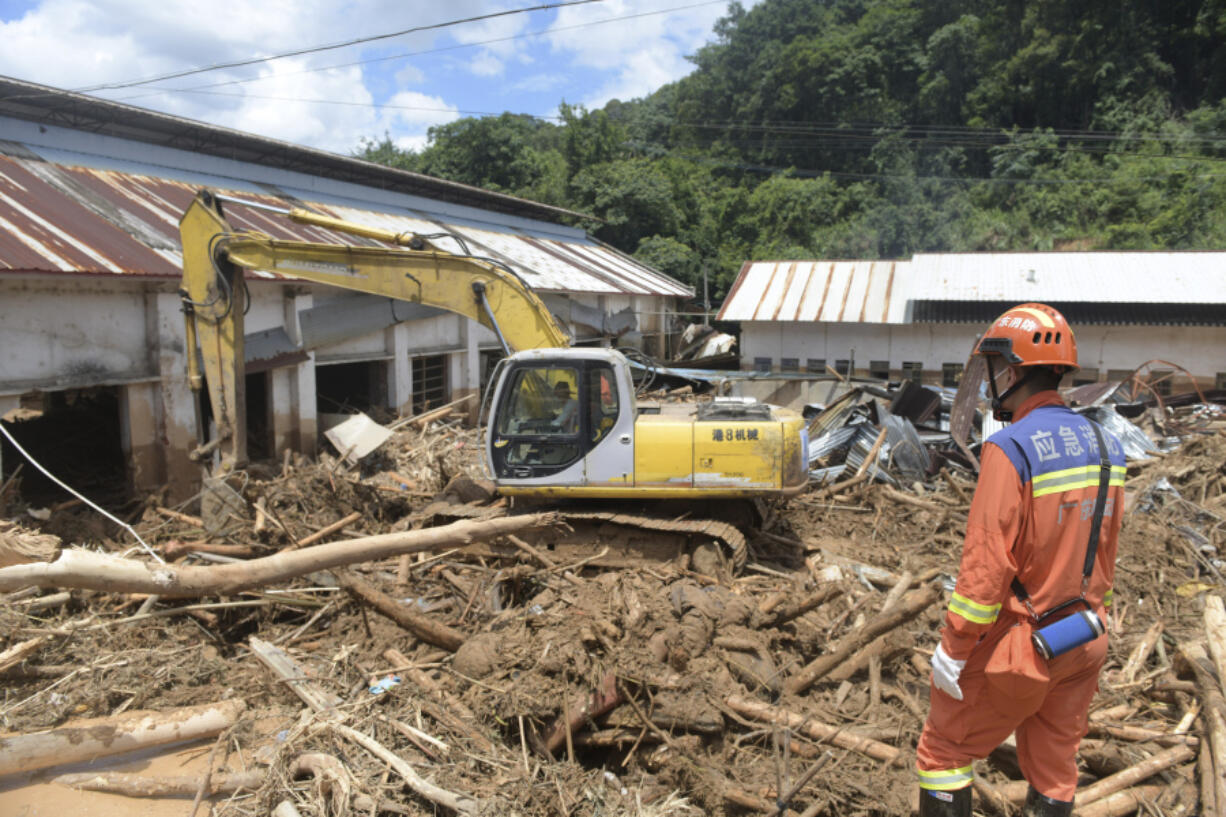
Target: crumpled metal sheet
[903, 449]
[821, 476]
[832, 441]
[865, 439]
[1137, 444]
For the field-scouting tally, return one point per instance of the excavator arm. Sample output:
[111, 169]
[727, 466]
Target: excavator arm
[215, 298]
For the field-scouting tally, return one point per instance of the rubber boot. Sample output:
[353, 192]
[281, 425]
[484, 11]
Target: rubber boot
[1040, 805]
[956, 803]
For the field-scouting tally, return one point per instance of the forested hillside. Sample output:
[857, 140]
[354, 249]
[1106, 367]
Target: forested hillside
[881, 128]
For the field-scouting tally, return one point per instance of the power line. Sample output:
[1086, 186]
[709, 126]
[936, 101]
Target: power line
[330, 47]
[809, 173]
[372, 60]
[839, 140]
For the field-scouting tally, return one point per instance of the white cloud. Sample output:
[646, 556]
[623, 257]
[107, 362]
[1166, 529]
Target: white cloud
[411, 114]
[641, 53]
[408, 75]
[82, 43]
[485, 64]
[96, 42]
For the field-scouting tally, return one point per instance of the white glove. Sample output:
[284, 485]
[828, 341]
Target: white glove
[945, 673]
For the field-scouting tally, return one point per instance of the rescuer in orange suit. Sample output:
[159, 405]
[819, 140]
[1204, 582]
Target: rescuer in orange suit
[1030, 520]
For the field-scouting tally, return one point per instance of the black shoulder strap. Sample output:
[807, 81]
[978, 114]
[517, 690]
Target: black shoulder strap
[1100, 505]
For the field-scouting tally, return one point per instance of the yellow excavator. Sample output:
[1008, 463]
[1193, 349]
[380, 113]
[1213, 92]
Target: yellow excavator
[562, 422]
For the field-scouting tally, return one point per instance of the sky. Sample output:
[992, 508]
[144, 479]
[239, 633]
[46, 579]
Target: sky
[400, 86]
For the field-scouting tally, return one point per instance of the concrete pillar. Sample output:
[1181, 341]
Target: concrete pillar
[138, 431]
[283, 406]
[470, 369]
[175, 410]
[291, 404]
[301, 384]
[399, 370]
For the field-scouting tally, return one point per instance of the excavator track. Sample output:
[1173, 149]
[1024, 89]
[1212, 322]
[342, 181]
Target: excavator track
[729, 537]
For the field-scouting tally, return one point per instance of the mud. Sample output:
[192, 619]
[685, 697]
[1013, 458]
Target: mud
[675, 638]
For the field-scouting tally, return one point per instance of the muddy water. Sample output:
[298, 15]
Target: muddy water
[33, 795]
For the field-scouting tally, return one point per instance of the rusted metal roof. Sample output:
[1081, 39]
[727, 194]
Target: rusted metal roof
[50, 106]
[831, 291]
[70, 219]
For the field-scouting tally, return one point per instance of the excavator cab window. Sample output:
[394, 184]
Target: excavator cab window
[602, 401]
[549, 416]
[541, 414]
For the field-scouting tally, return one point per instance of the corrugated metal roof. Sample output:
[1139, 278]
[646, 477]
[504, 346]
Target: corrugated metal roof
[1102, 277]
[1183, 288]
[50, 106]
[834, 291]
[61, 218]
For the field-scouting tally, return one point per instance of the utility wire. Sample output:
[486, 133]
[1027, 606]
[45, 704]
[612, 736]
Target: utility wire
[330, 47]
[372, 60]
[757, 168]
[939, 135]
[838, 141]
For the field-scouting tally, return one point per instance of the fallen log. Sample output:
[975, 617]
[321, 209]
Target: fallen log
[422, 626]
[812, 602]
[85, 569]
[1140, 734]
[100, 737]
[1140, 653]
[1215, 634]
[1134, 774]
[766, 713]
[1212, 712]
[1121, 803]
[600, 701]
[908, 608]
[136, 785]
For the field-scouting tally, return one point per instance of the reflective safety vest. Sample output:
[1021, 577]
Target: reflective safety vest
[1031, 517]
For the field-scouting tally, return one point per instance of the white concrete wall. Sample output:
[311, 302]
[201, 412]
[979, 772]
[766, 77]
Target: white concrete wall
[59, 332]
[1200, 349]
[932, 344]
[72, 332]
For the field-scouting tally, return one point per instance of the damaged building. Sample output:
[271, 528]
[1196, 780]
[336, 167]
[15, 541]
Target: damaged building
[917, 319]
[92, 349]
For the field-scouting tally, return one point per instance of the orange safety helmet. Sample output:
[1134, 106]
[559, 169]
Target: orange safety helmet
[1031, 335]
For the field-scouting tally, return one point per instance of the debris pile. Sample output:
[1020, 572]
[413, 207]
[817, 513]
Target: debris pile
[387, 636]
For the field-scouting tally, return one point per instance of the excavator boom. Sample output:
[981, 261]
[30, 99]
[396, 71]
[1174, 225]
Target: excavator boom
[214, 295]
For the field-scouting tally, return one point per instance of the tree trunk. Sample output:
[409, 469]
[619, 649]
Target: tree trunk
[99, 737]
[95, 571]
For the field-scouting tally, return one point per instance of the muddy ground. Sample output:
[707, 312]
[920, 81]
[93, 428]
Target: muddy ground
[677, 640]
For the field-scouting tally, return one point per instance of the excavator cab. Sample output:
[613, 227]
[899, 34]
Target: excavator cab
[553, 411]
